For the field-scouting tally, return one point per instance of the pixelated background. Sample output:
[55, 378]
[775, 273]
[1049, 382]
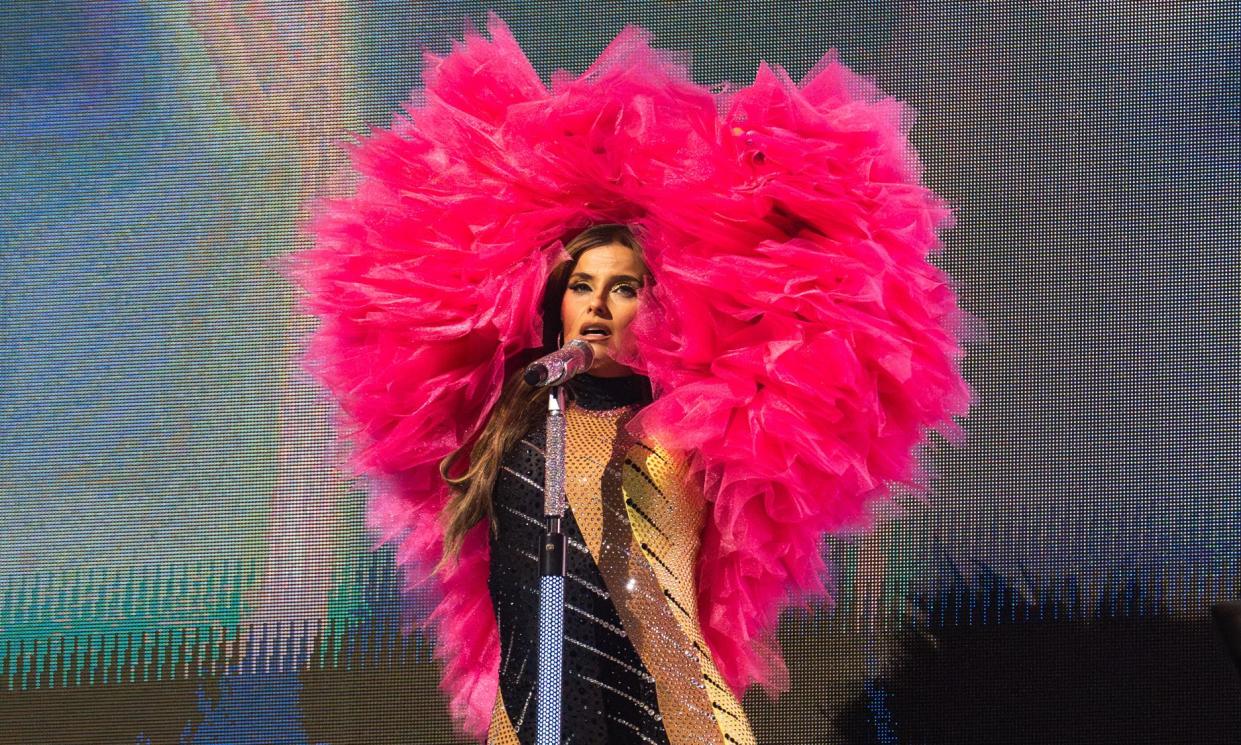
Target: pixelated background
[178, 565]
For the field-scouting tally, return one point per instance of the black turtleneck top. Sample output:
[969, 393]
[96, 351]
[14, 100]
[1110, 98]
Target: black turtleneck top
[609, 695]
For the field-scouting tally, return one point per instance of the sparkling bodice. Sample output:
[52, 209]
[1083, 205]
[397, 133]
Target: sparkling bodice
[637, 668]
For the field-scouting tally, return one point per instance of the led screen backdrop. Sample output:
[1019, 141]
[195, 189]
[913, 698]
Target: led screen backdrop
[179, 565]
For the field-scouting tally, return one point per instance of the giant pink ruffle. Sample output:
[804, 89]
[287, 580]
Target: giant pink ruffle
[799, 343]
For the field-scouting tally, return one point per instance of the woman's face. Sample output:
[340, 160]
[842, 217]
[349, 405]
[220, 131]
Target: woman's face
[602, 298]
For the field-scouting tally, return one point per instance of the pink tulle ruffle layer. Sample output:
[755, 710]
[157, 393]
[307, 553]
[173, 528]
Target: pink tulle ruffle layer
[799, 343]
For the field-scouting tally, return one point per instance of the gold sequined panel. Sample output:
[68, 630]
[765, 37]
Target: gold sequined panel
[501, 731]
[626, 501]
[667, 522]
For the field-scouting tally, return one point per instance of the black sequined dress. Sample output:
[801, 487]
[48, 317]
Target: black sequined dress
[636, 668]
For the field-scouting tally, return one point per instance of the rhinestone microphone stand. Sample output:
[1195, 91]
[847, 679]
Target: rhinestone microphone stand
[553, 371]
[551, 579]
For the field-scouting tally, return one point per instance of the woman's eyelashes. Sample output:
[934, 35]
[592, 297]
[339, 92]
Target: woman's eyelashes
[624, 289]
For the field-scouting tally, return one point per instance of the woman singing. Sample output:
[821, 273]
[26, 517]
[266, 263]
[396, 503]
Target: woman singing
[637, 665]
[771, 348]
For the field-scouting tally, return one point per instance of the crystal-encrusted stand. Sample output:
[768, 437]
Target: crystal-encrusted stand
[552, 576]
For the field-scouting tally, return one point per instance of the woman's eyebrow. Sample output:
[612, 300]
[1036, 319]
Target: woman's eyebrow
[615, 278]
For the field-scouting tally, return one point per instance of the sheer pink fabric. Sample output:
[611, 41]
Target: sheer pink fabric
[798, 341]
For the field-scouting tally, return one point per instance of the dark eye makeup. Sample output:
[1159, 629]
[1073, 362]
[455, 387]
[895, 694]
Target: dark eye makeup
[626, 289]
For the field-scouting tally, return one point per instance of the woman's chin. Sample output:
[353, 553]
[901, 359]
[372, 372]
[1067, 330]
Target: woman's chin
[605, 364]
[606, 367]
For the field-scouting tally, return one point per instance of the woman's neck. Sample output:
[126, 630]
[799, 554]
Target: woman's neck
[600, 394]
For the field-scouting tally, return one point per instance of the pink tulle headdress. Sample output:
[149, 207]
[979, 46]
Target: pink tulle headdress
[798, 341]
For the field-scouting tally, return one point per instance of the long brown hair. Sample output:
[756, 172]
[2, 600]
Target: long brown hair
[520, 406]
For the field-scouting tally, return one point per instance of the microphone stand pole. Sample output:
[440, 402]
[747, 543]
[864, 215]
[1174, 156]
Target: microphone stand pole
[552, 576]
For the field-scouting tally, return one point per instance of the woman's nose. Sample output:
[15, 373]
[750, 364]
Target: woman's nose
[599, 305]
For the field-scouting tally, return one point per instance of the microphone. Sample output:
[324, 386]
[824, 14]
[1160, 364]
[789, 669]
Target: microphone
[556, 368]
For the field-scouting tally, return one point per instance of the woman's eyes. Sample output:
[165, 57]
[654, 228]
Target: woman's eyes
[625, 290]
